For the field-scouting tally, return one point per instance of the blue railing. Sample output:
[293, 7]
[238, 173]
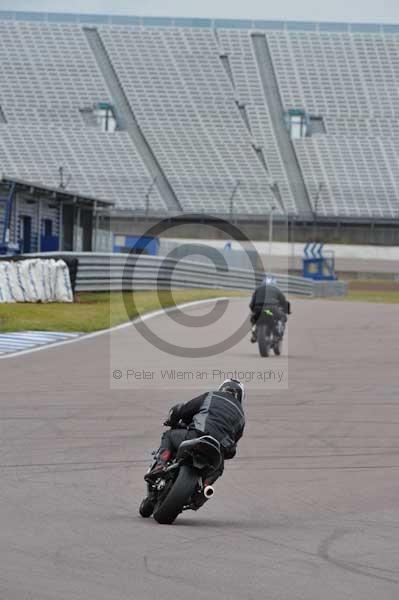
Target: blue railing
[204, 23]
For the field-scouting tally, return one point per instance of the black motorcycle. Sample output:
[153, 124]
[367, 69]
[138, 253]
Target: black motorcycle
[181, 486]
[269, 333]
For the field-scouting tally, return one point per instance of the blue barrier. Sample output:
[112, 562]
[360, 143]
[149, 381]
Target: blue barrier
[136, 244]
[49, 243]
[317, 265]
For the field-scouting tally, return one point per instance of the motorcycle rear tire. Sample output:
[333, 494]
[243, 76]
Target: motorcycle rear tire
[263, 340]
[178, 497]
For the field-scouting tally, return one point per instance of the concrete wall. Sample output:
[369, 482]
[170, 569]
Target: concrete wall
[338, 233]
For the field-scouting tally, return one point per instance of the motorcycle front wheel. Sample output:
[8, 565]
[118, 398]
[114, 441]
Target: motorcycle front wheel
[182, 490]
[263, 340]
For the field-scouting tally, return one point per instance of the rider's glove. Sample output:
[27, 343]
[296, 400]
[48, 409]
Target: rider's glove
[174, 416]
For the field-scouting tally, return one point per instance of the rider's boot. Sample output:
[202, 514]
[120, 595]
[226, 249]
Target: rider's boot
[159, 467]
[148, 504]
[280, 329]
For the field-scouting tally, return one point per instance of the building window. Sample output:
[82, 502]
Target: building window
[316, 126]
[105, 117]
[297, 123]
[301, 125]
[48, 227]
[101, 116]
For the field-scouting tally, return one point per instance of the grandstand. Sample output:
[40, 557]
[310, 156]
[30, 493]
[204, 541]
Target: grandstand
[214, 117]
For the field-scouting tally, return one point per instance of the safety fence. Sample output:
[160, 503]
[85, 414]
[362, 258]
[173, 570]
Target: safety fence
[116, 272]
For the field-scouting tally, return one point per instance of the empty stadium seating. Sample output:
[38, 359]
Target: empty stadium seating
[352, 81]
[101, 165]
[350, 186]
[195, 92]
[47, 73]
[338, 73]
[185, 105]
[237, 45]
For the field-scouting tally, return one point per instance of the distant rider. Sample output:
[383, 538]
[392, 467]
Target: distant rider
[218, 413]
[269, 297]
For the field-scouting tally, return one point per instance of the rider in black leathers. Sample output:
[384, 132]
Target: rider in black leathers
[219, 414]
[268, 297]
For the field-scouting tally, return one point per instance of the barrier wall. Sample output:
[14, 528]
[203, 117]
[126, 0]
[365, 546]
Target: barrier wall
[115, 272]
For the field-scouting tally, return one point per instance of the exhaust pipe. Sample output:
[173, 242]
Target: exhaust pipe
[208, 491]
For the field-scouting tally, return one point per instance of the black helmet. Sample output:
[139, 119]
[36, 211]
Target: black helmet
[234, 387]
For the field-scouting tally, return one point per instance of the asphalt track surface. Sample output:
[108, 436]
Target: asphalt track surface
[308, 510]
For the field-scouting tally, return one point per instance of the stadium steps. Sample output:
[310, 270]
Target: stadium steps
[127, 121]
[274, 102]
[226, 64]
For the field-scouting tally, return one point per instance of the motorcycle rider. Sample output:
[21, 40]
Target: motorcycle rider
[217, 413]
[269, 297]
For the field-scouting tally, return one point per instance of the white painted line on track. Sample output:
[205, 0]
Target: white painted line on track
[81, 337]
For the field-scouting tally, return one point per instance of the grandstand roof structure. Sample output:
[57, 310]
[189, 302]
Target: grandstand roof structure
[56, 192]
[204, 113]
[143, 21]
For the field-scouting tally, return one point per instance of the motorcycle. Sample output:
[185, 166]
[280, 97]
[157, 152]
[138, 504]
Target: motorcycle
[182, 484]
[269, 333]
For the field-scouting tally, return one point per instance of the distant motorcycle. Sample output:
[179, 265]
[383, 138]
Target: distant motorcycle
[269, 333]
[182, 485]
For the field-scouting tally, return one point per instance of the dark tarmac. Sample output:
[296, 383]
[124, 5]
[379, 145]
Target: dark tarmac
[308, 510]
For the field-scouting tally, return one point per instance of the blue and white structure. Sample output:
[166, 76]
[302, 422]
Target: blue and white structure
[15, 342]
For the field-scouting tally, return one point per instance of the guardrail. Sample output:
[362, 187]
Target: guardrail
[326, 289]
[116, 272]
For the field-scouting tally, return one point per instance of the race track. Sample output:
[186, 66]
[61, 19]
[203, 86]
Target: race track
[308, 510]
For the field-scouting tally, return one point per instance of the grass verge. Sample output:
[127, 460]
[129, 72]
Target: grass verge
[384, 297]
[385, 292]
[93, 311]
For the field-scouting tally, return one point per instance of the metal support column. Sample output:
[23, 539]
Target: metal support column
[61, 227]
[39, 224]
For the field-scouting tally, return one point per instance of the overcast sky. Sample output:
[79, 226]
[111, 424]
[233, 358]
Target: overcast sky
[380, 11]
